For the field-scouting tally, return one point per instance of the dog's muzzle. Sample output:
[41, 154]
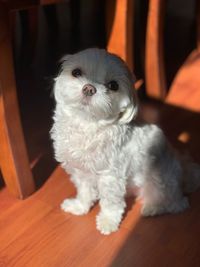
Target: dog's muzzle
[89, 90]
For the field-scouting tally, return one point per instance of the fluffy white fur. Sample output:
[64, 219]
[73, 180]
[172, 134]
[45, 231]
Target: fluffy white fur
[98, 142]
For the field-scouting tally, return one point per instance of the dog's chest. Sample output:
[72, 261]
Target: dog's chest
[89, 147]
[82, 146]
[79, 142]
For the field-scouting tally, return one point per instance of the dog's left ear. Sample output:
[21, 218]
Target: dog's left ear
[129, 112]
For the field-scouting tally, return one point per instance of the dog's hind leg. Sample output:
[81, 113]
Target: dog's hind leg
[158, 199]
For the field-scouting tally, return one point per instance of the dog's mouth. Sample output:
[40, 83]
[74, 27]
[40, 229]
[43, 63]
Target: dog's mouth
[86, 100]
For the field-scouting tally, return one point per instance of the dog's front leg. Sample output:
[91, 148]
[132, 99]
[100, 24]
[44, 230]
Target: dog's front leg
[85, 198]
[112, 203]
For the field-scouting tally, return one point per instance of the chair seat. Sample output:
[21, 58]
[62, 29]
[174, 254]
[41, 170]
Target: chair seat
[185, 89]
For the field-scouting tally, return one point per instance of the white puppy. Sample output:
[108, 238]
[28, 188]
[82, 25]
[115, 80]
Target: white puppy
[105, 151]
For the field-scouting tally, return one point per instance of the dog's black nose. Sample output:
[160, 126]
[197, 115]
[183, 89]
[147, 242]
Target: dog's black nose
[89, 90]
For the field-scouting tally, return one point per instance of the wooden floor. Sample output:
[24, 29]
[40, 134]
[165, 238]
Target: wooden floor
[35, 232]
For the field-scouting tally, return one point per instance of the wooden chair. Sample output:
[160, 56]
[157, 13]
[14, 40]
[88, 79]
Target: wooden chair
[14, 161]
[178, 108]
[187, 80]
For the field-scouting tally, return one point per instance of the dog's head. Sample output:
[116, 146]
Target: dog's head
[97, 85]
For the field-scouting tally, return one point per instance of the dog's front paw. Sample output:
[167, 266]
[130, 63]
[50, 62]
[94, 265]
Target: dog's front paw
[74, 206]
[106, 224]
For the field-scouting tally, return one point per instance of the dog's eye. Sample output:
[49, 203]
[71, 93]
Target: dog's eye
[76, 72]
[113, 85]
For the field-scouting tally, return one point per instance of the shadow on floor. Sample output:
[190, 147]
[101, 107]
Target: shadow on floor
[168, 240]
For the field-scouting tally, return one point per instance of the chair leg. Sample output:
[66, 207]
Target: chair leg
[154, 58]
[120, 27]
[13, 156]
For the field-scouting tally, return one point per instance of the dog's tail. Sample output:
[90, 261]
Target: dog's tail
[191, 177]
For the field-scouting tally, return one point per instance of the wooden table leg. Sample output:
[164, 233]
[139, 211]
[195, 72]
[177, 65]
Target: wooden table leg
[13, 155]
